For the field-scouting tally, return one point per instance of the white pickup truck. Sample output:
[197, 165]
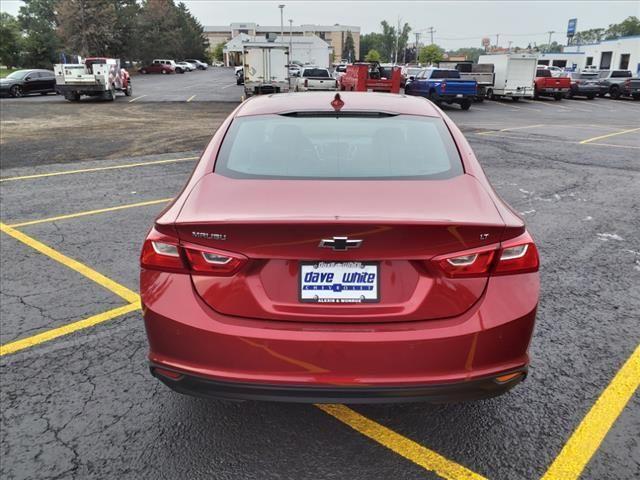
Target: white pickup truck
[97, 76]
[314, 78]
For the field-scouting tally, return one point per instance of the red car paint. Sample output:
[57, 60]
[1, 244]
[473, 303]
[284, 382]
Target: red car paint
[234, 323]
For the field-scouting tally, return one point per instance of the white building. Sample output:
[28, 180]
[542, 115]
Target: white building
[308, 49]
[619, 54]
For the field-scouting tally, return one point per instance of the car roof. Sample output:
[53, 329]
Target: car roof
[353, 102]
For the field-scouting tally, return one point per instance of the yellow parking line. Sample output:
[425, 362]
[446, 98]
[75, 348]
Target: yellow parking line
[97, 169]
[422, 456]
[191, 98]
[593, 139]
[18, 345]
[120, 290]
[137, 98]
[612, 145]
[587, 438]
[90, 212]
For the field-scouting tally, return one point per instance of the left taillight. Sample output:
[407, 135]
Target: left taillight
[166, 253]
[518, 255]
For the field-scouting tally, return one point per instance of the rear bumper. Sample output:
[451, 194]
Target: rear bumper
[442, 393]
[81, 89]
[454, 98]
[552, 90]
[221, 355]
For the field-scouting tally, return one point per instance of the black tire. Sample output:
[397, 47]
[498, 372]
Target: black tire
[515, 99]
[601, 95]
[557, 97]
[129, 90]
[615, 92]
[479, 99]
[72, 96]
[465, 104]
[636, 96]
[591, 97]
[569, 94]
[44, 93]
[490, 95]
[144, 71]
[16, 91]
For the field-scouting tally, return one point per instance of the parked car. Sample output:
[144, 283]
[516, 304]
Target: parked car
[314, 78]
[583, 84]
[218, 64]
[201, 65]
[339, 248]
[294, 69]
[26, 82]
[443, 85]
[186, 66]
[240, 77]
[546, 85]
[618, 83]
[160, 66]
[409, 74]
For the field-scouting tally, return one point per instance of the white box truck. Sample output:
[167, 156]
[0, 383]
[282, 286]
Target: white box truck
[265, 68]
[97, 76]
[514, 75]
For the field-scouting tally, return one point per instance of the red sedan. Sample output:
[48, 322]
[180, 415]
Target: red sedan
[339, 250]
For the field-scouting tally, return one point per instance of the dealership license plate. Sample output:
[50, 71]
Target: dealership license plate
[459, 95]
[339, 282]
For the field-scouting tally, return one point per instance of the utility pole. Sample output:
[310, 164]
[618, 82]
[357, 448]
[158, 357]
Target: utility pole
[417, 43]
[550, 32]
[281, 7]
[290, 50]
[431, 32]
[497, 39]
[395, 56]
[510, 42]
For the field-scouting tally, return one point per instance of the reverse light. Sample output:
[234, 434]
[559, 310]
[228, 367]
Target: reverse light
[213, 262]
[468, 265]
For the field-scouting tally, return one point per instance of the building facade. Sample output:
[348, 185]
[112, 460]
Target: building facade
[334, 35]
[619, 54]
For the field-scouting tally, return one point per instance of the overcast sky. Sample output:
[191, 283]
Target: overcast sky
[457, 24]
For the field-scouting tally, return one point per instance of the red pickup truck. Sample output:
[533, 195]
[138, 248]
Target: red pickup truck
[548, 85]
[363, 77]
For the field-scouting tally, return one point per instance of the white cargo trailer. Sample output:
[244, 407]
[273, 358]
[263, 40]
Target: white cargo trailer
[265, 68]
[514, 74]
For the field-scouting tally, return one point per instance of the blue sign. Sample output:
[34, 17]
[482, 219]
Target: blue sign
[571, 27]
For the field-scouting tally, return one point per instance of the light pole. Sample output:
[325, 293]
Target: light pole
[550, 32]
[281, 7]
[290, 50]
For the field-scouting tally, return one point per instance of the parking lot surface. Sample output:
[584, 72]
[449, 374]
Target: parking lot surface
[214, 84]
[77, 400]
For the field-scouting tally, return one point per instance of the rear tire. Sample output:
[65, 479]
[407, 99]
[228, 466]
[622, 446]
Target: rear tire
[72, 96]
[557, 97]
[615, 92]
[591, 97]
[129, 90]
[465, 104]
[490, 95]
[515, 99]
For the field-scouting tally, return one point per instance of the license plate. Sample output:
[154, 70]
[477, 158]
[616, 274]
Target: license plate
[459, 95]
[339, 282]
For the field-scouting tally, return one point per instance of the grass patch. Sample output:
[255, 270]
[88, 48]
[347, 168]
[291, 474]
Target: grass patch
[6, 71]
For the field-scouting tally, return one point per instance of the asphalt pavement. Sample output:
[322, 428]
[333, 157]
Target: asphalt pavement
[77, 400]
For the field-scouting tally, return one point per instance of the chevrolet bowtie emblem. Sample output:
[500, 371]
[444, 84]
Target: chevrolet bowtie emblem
[340, 243]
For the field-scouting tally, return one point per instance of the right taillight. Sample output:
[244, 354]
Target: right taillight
[166, 253]
[518, 255]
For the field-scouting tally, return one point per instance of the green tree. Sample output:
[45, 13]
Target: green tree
[125, 29]
[349, 48]
[555, 47]
[403, 39]
[372, 56]
[370, 41]
[217, 53]
[41, 44]
[430, 54]
[193, 43]
[629, 26]
[593, 35]
[86, 26]
[10, 40]
[388, 41]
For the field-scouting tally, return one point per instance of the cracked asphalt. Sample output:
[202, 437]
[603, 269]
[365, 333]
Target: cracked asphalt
[85, 406]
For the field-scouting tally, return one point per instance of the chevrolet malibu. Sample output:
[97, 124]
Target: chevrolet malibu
[339, 249]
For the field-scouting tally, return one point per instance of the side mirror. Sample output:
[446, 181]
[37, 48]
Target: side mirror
[28, 79]
[412, 77]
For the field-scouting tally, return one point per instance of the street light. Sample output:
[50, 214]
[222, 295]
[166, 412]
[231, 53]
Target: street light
[281, 7]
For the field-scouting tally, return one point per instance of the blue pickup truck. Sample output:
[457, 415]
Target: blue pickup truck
[443, 85]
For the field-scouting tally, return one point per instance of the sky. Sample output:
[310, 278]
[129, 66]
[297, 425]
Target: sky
[457, 23]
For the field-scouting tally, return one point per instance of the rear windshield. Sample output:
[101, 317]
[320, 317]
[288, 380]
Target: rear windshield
[338, 147]
[543, 73]
[315, 72]
[445, 74]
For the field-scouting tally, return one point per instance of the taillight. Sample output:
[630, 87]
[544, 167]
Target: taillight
[468, 265]
[518, 255]
[206, 261]
[444, 87]
[306, 82]
[161, 252]
[164, 252]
